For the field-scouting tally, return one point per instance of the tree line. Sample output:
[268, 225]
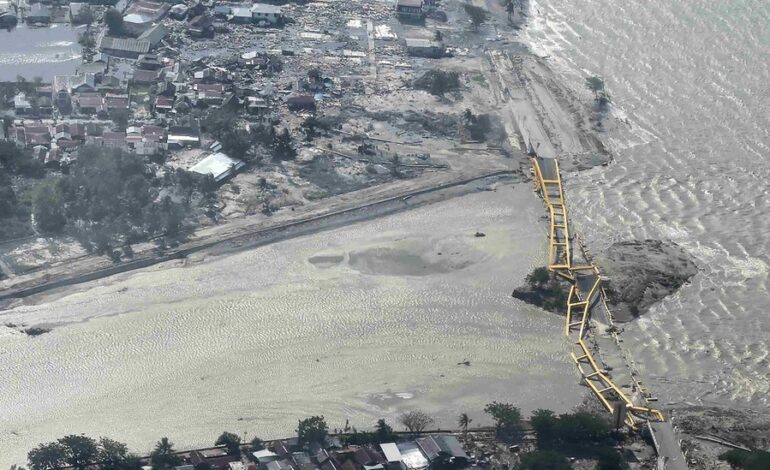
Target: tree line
[111, 200]
[576, 434]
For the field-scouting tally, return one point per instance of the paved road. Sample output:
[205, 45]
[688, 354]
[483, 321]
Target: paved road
[667, 445]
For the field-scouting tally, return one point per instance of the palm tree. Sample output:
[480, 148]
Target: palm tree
[464, 421]
[163, 456]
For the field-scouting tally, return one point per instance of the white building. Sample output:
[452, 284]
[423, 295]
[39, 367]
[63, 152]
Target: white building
[262, 12]
[218, 165]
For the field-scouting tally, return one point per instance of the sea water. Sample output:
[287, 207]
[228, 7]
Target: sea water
[38, 52]
[690, 85]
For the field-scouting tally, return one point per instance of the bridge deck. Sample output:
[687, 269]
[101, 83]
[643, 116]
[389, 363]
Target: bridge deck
[584, 297]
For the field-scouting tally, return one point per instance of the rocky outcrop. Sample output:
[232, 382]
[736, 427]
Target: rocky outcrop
[642, 273]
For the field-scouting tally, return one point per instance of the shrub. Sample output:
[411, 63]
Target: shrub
[438, 82]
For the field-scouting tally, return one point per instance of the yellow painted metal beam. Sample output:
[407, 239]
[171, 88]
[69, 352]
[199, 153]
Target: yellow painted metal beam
[560, 262]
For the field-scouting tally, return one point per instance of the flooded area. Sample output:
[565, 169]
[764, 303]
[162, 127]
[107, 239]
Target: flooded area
[356, 323]
[38, 52]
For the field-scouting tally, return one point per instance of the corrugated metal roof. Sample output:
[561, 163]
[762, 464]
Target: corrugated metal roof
[125, 44]
[264, 8]
[219, 166]
[390, 449]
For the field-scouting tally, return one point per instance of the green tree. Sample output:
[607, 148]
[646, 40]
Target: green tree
[313, 429]
[112, 454]
[8, 199]
[257, 444]
[477, 15]
[48, 206]
[283, 147]
[131, 462]
[507, 419]
[544, 422]
[117, 459]
[383, 432]
[49, 456]
[416, 420]
[596, 85]
[543, 460]
[315, 74]
[19, 161]
[231, 441]
[539, 277]
[609, 459]
[114, 21]
[581, 428]
[754, 460]
[444, 461]
[464, 421]
[80, 451]
[224, 126]
[162, 456]
[120, 118]
[437, 82]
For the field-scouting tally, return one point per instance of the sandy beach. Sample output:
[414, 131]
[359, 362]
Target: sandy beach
[355, 323]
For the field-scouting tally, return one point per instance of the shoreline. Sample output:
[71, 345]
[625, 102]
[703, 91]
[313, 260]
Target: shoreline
[265, 311]
[263, 235]
[698, 415]
[287, 229]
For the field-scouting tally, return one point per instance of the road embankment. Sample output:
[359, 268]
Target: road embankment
[250, 236]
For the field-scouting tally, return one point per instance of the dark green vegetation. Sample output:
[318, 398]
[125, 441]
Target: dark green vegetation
[580, 434]
[17, 171]
[313, 429]
[477, 15]
[107, 200]
[10, 89]
[248, 145]
[111, 199]
[231, 441]
[478, 126]
[740, 459]
[163, 456]
[80, 452]
[544, 289]
[114, 21]
[507, 420]
[257, 444]
[543, 460]
[437, 82]
[383, 432]
[601, 97]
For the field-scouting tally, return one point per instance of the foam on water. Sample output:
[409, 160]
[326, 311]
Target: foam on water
[689, 83]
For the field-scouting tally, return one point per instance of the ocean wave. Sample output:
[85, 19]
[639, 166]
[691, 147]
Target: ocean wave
[688, 81]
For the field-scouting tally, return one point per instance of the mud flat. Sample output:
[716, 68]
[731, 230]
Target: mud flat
[356, 323]
[642, 273]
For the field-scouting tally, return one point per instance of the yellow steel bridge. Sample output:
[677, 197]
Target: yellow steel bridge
[585, 294]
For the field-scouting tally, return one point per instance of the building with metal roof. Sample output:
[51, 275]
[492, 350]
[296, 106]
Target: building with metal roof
[218, 165]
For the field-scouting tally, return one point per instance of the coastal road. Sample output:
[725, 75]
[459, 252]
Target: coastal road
[519, 108]
[667, 445]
